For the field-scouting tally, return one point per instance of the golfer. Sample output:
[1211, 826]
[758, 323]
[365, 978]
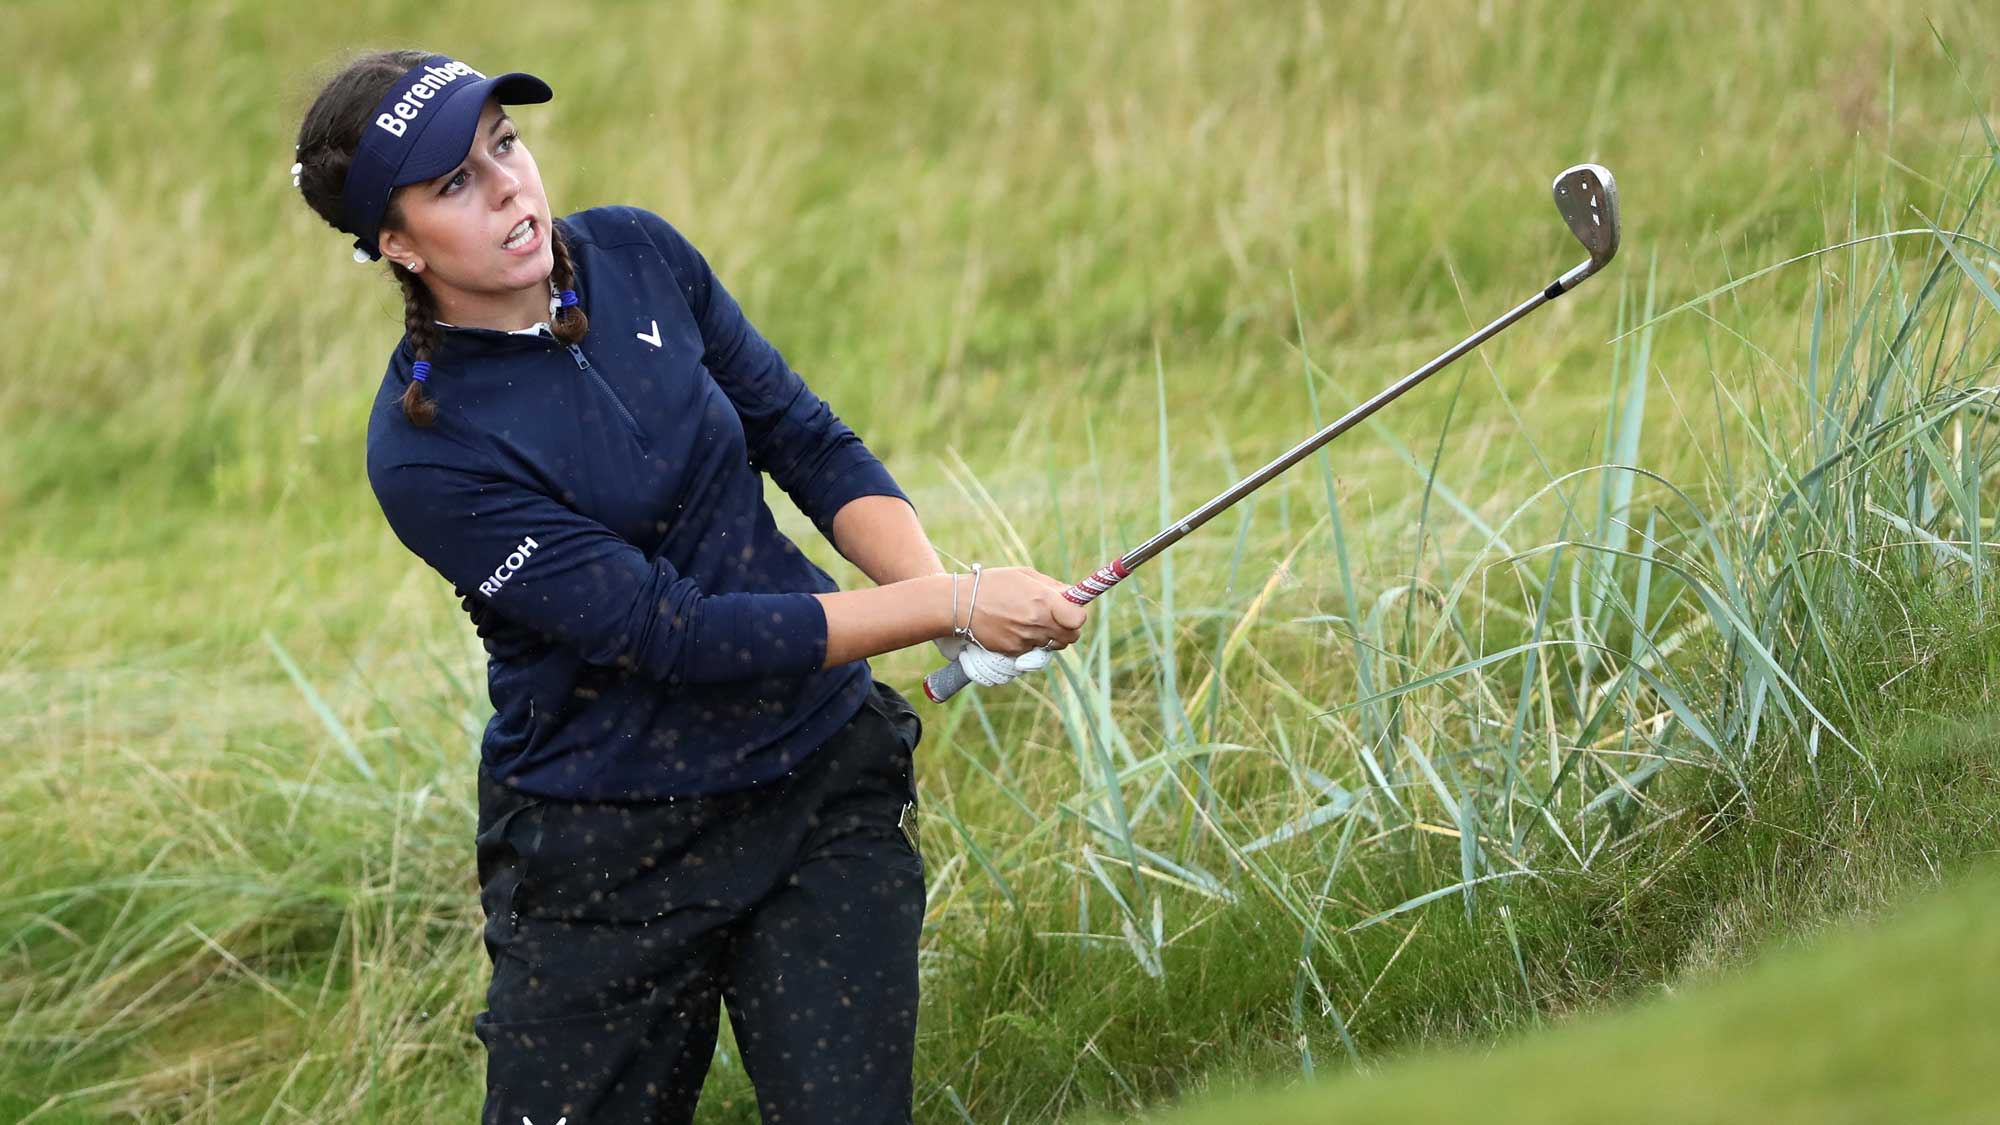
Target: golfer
[692, 793]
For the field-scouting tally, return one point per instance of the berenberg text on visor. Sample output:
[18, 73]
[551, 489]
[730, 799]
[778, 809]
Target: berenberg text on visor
[436, 78]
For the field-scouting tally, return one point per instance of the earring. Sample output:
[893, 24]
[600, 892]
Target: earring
[413, 267]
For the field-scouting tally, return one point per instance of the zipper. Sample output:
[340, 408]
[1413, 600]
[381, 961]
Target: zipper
[583, 365]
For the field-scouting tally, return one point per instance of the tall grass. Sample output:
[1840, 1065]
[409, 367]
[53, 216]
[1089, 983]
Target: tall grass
[1343, 773]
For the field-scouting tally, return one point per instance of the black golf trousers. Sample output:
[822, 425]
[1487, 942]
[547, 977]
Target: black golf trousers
[617, 930]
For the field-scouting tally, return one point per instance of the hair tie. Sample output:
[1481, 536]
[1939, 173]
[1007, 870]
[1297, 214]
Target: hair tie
[568, 298]
[420, 370]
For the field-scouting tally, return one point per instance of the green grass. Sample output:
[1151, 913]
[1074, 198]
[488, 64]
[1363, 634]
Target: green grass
[1567, 679]
[1887, 1023]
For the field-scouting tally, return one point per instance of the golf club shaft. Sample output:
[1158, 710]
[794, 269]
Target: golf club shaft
[948, 680]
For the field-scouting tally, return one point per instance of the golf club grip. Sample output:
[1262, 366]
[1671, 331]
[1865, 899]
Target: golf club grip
[946, 682]
[951, 679]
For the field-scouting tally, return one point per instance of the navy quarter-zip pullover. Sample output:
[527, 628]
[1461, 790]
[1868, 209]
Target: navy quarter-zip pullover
[599, 509]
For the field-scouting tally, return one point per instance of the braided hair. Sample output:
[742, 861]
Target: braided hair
[328, 138]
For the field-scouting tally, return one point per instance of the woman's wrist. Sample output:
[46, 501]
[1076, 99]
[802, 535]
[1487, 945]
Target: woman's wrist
[935, 593]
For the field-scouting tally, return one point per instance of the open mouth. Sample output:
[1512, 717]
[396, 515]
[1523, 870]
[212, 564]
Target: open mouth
[521, 236]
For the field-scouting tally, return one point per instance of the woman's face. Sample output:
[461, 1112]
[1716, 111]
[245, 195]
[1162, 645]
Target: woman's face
[457, 229]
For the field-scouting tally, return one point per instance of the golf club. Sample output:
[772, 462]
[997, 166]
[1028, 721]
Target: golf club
[1586, 195]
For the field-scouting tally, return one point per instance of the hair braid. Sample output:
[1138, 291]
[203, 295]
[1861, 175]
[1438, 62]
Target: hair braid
[570, 322]
[420, 324]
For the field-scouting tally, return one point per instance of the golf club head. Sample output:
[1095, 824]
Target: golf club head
[1587, 196]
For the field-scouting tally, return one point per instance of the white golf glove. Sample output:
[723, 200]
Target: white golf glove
[988, 668]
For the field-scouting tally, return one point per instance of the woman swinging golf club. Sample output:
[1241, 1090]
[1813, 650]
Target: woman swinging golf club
[691, 791]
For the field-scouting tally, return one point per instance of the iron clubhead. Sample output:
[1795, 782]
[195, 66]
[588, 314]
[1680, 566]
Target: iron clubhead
[1587, 196]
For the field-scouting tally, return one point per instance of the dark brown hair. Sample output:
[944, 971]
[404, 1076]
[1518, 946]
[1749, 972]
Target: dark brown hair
[328, 137]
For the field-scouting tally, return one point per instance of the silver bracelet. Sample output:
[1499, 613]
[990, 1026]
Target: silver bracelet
[971, 607]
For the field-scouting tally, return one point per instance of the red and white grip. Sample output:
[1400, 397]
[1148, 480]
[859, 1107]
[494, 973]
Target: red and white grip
[1098, 584]
[951, 679]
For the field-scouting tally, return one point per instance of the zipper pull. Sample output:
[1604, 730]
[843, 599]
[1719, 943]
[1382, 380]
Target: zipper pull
[576, 353]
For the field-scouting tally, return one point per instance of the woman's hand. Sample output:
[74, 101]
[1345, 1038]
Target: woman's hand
[1020, 608]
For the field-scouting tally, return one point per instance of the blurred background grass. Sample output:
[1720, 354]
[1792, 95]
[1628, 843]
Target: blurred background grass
[1057, 266]
[969, 225]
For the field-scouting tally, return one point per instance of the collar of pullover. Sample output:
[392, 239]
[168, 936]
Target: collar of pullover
[539, 328]
[465, 350]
